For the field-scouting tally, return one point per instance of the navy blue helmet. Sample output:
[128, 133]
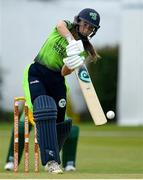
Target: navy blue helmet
[90, 16]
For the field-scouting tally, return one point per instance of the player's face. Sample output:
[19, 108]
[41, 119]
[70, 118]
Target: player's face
[85, 29]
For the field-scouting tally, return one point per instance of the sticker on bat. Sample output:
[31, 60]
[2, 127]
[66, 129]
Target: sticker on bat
[83, 74]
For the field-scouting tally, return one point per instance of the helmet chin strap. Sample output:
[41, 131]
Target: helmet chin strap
[85, 38]
[92, 34]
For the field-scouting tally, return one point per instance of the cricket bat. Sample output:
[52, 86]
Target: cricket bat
[90, 95]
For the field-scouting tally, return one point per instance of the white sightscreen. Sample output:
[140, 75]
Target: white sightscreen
[130, 92]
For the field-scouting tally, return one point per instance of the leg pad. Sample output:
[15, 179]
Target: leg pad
[45, 115]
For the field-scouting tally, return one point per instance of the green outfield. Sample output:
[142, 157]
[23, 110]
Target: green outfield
[103, 152]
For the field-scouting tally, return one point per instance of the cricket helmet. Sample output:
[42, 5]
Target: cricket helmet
[90, 16]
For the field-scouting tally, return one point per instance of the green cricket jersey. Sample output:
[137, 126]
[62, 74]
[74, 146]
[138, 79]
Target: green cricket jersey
[54, 50]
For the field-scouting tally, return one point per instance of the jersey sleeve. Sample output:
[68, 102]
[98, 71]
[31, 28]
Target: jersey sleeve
[69, 24]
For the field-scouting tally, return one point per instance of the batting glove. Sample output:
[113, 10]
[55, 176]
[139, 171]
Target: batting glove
[74, 48]
[73, 62]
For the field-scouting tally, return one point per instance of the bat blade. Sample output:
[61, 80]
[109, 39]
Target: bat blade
[90, 96]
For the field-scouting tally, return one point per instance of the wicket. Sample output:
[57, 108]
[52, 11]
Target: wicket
[17, 100]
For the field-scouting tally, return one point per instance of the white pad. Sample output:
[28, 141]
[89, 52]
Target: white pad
[73, 62]
[74, 48]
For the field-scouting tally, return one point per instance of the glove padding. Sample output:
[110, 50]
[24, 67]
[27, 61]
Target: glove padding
[73, 62]
[74, 48]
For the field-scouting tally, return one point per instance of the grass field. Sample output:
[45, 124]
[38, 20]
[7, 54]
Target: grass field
[103, 152]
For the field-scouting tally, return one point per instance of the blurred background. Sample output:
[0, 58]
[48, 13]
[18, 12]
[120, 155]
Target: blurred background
[117, 77]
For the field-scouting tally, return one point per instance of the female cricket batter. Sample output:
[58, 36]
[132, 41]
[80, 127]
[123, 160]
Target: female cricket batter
[45, 91]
